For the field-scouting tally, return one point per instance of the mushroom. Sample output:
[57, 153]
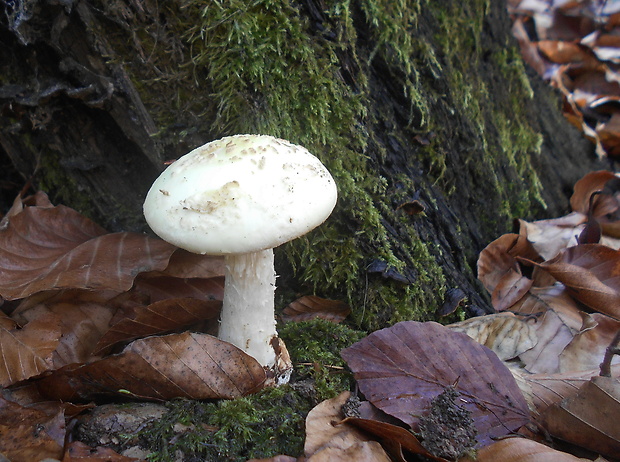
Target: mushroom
[241, 196]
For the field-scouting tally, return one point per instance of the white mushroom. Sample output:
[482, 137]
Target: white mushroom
[241, 196]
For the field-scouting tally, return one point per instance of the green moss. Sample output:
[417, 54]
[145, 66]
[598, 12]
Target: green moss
[494, 117]
[315, 348]
[258, 426]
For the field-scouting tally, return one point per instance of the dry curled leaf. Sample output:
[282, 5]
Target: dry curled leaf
[328, 439]
[591, 274]
[499, 271]
[395, 438]
[584, 188]
[549, 237]
[400, 369]
[324, 428]
[189, 365]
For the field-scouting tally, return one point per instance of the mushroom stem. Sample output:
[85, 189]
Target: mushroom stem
[248, 319]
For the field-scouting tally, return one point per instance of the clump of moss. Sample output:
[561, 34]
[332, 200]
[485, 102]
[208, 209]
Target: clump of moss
[257, 426]
[315, 348]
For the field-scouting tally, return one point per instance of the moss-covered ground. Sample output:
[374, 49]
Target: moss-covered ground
[268, 423]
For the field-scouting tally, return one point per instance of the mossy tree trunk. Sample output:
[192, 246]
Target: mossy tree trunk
[403, 100]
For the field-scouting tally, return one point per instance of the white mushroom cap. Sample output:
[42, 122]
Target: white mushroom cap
[240, 194]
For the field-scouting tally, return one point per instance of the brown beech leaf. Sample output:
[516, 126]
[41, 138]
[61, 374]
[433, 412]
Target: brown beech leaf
[163, 316]
[189, 365]
[44, 248]
[327, 438]
[591, 274]
[312, 307]
[587, 348]
[521, 450]
[400, 369]
[549, 237]
[324, 428]
[540, 299]
[84, 318]
[590, 418]
[393, 436]
[80, 452]
[497, 262]
[584, 188]
[504, 333]
[553, 336]
[543, 390]
[28, 434]
[512, 288]
[27, 352]
[562, 52]
[363, 451]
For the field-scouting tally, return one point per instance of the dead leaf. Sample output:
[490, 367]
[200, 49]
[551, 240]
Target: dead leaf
[79, 452]
[280, 458]
[161, 317]
[504, 333]
[590, 418]
[591, 274]
[521, 450]
[28, 435]
[553, 336]
[402, 368]
[393, 436]
[554, 297]
[84, 317]
[190, 365]
[587, 349]
[324, 427]
[184, 264]
[500, 272]
[44, 248]
[550, 237]
[27, 352]
[164, 288]
[364, 451]
[543, 390]
[312, 307]
[584, 188]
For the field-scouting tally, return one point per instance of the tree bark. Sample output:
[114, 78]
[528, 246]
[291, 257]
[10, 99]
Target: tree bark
[410, 104]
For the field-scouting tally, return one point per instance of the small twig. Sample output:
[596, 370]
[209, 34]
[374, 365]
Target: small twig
[328, 366]
[612, 349]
